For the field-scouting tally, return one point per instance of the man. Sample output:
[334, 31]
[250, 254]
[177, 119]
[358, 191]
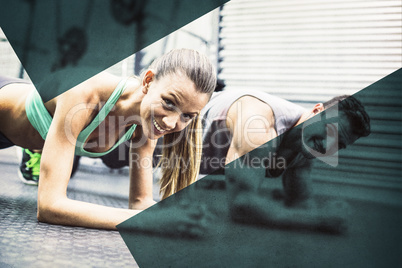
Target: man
[237, 123]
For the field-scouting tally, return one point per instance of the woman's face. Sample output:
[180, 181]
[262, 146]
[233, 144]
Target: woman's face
[169, 104]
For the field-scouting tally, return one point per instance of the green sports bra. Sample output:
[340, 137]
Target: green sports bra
[40, 119]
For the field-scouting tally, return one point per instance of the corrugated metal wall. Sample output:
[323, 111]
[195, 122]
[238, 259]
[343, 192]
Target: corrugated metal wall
[309, 51]
[9, 63]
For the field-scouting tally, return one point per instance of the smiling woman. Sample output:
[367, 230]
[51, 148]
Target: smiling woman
[95, 116]
[183, 89]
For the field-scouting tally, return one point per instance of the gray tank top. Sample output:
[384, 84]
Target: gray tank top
[216, 136]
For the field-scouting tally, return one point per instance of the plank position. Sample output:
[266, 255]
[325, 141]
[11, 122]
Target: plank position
[96, 116]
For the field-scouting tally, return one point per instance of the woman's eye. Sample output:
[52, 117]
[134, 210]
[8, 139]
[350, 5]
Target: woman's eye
[187, 117]
[168, 103]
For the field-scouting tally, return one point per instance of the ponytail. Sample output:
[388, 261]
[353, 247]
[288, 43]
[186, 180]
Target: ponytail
[181, 157]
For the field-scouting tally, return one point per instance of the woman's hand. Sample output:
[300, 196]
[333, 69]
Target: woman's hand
[184, 221]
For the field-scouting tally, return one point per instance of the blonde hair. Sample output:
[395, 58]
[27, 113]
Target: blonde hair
[180, 163]
[181, 153]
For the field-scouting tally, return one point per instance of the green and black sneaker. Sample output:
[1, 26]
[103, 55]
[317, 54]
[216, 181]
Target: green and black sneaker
[29, 167]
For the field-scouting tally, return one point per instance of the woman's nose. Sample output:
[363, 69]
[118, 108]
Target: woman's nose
[171, 121]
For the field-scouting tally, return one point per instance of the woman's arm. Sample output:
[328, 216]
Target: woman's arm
[56, 164]
[141, 180]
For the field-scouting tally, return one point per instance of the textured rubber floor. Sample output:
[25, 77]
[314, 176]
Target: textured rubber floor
[24, 242]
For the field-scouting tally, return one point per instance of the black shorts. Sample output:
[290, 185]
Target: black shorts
[4, 141]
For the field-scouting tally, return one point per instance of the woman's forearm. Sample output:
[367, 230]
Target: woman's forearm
[65, 211]
[141, 176]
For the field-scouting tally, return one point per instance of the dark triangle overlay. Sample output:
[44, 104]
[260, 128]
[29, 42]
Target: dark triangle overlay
[62, 43]
[373, 233]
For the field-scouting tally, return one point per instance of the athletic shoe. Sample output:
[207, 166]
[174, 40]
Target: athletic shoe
[29, 167]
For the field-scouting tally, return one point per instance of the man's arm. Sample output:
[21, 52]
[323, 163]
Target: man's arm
[297, 183]
[265, 211]
[251, 123]
[292, 207]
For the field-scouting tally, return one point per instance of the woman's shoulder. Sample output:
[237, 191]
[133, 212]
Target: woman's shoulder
[102, 83]
[104, 79]
[95, 89]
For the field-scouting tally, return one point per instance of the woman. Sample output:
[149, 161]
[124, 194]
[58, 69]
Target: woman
[95, 116]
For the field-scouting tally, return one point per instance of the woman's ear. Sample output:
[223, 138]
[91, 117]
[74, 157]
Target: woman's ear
[147, 79]
[318, 108]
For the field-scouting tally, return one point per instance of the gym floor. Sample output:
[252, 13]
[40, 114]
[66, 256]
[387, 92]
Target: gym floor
[25, 242]
[373, 238]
